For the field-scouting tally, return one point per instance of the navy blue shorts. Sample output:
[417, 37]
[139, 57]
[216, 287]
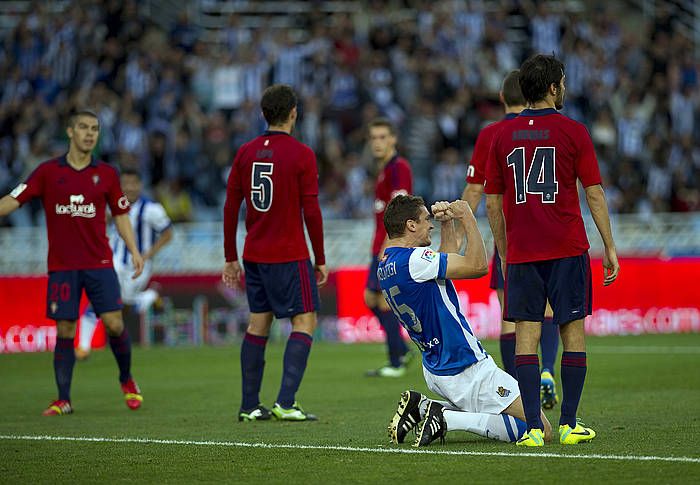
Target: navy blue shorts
[285, 289]
[497, 282]
[372, 283]
[566, 282]
[66, 287]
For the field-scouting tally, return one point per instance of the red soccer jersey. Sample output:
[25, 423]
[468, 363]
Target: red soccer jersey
[278, 178]
[74, 203]
[476, 172]
[395, 179]
[534, 162]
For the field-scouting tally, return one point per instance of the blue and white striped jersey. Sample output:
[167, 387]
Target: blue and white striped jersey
[425, 302]
[149, 220]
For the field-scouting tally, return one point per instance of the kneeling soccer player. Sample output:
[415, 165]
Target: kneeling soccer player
[415, 280]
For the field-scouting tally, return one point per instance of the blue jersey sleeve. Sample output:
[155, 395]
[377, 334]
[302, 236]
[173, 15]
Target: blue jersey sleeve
[442, 269]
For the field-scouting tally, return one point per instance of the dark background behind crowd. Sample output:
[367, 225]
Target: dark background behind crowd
[176, 99]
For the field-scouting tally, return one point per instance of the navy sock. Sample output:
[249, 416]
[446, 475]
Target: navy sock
[528, 370]
[252, 367]
[508, 352]
[549, 343]
[295, 356]
[121, 348]
[396, 345]
[573, 374]
[63, 362]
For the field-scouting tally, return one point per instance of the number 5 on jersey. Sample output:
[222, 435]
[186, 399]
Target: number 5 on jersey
[261, 186]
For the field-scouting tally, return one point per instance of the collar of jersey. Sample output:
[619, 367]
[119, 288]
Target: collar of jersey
[268, 133]
[63, 160]
[538, 112]
[510, 116]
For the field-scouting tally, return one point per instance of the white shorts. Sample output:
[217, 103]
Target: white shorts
[480, 388]
[130, 287]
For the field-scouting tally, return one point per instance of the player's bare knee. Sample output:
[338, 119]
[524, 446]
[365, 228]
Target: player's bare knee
[573, 337]
[304, 323]
[113, 322]
[507, 327]
[65, 328]
[527, 337]
[260, 324]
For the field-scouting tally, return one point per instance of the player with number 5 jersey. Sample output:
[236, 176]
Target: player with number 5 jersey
[277, 177]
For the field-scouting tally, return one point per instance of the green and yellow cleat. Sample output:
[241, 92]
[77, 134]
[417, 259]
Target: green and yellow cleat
[534, 437]
[295, 413]
[574, 436]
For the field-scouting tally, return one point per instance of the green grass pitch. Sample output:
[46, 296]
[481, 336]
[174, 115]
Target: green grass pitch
[642, 396]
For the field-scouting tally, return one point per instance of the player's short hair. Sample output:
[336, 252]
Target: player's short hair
[131, 171]
[73, 118]
[512, 94]
[277, 103]
[382, 122]
[537, 74]
[401, 209]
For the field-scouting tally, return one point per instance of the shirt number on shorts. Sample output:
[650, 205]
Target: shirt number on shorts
[541, 178]
[261, 186]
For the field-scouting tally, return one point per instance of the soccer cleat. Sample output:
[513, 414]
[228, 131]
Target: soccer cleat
[132, 394]
[81, 353]
[548, 390]
[574, 436]
[295, 413]
[387, 371]
[58, 408]
[258, 413]
[407, 416]
[433, 427]
[534, 437]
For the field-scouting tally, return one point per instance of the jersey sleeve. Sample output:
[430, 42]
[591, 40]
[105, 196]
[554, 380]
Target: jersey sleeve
[587, 169]
[401, 180]
[477, 165]
[494, 172]
[309, 174]
[32, 187]
[234, 197]
[117, 201]
[425, 264]
[157, 217]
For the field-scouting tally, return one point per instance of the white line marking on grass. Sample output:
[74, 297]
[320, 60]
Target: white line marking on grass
[275, 446]
[634, 349]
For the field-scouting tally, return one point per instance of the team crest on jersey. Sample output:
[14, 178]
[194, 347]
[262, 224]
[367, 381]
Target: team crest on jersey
[429, 255]
[95, 179]
[503, 392]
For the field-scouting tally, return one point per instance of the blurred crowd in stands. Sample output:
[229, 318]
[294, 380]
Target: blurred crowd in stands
[177, 107]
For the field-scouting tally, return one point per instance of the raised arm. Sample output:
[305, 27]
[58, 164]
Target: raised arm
[595, 197]
[473, 264]
[450, 237]
[123, 225]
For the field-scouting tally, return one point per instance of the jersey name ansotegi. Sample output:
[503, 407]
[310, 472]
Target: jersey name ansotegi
[426, 303]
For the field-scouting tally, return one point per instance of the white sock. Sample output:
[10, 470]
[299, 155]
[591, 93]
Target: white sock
[88, 323]
[500, 427]
[423, 405]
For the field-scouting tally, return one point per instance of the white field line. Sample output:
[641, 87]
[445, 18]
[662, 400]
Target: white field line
[407, 451]
[648, 349]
